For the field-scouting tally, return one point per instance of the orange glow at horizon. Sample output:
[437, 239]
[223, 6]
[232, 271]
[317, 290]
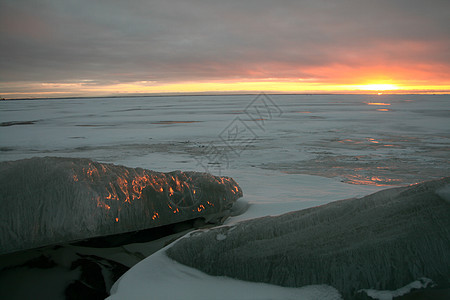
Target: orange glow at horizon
[378, 103]
[281, 86]
[352, 84]
[378, 87]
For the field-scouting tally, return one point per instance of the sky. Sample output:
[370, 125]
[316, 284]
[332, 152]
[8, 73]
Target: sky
[64, 48]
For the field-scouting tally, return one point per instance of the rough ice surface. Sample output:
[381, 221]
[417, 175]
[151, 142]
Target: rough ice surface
[55, 200]
[221, 237]
[382, 241]
[444, 192]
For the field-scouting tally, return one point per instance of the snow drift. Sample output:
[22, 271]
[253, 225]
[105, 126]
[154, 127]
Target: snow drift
[383, 241]
[54, 200]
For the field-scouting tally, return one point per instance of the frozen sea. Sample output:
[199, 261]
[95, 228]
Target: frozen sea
[374, 140]
[287, 152]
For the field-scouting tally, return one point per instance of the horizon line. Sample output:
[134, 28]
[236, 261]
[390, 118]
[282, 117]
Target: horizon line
[193, 94]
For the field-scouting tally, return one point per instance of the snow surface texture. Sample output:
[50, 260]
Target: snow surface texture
[159, 277]
[55, 200]
[383, 241]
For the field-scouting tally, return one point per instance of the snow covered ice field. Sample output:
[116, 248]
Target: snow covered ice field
[280, 154]
[287, 152]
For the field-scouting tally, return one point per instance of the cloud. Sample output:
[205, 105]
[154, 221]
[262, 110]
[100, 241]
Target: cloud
[170, 41]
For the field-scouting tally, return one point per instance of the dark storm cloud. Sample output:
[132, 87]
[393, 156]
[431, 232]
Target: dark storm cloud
[120, 41]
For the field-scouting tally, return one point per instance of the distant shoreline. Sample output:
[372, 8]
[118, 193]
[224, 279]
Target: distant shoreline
[222, 94]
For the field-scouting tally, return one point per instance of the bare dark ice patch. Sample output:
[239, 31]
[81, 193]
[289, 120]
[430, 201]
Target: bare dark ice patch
[12, 123]
[174, 122]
